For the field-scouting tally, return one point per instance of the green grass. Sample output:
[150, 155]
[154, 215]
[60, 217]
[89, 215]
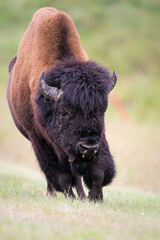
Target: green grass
[27, 213]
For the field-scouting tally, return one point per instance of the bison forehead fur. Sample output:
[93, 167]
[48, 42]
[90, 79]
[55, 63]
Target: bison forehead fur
[85, 84]
[62, 110]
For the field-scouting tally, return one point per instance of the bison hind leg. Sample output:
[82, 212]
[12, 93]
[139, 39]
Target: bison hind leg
[50, 189]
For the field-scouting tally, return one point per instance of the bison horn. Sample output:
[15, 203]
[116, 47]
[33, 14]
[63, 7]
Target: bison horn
[114, 80]
[49, 92]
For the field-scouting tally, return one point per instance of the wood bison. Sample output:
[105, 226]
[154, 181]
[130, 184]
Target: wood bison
[57, 98]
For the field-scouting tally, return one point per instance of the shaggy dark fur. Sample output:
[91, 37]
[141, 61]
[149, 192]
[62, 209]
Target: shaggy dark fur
[78, 115]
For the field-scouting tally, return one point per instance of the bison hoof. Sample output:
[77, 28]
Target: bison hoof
[82, 196]
[95, 197]
[51, 194]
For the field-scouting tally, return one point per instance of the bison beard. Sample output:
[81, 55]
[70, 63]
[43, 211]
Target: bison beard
[63, 114]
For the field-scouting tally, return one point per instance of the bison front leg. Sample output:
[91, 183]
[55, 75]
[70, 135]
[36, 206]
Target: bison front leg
[97, 177]
[101, 173]
[79, 187]
[65, 181]
[57, 179]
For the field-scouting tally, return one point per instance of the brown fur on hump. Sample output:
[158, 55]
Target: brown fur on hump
[50, 36]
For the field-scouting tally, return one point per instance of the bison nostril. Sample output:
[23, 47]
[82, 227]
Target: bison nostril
[88, 149]
[83, 147]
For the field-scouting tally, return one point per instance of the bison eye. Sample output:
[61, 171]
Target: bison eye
[64, 114]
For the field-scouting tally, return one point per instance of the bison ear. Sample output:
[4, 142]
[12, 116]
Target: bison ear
[47, 91]
[113, 80]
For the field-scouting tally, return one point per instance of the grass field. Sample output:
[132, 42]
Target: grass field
[119, 34]
[27, 213]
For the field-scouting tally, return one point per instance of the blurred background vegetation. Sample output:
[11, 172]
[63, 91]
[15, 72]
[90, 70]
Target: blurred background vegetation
[122, 35]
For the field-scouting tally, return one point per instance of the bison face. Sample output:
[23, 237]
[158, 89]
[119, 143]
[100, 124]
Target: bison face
[78, 134]
[72, 100]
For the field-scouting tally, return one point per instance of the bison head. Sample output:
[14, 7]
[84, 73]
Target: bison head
[72, 100]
